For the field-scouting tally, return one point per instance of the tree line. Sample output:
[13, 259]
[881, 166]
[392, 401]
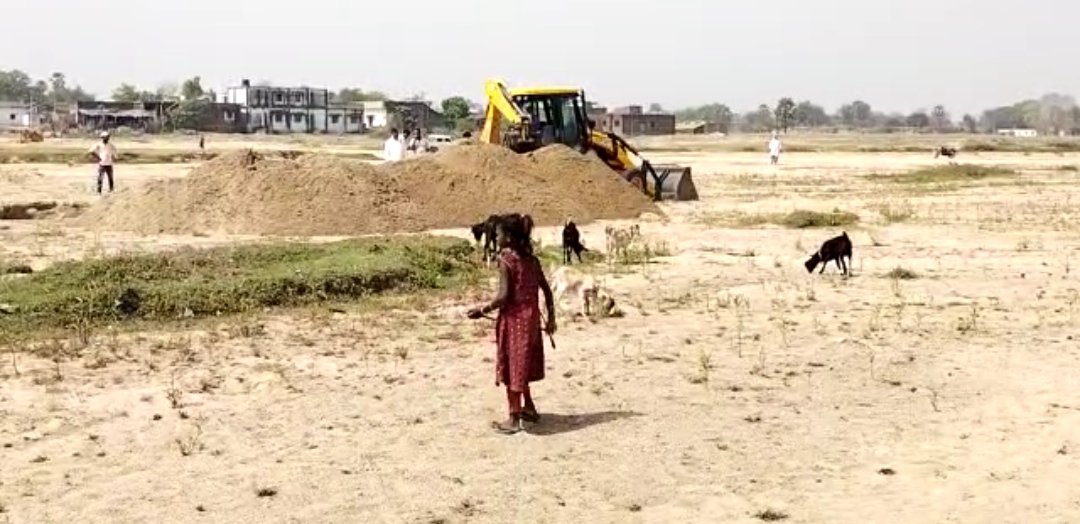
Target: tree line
[1051, 113]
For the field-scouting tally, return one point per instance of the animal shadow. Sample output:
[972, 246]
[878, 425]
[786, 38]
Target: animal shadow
[555, 423]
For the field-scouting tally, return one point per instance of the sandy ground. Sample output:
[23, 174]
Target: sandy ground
[737, 384]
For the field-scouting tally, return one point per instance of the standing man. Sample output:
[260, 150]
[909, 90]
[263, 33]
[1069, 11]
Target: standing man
[393, 148]
[774, 149]
[105, 154]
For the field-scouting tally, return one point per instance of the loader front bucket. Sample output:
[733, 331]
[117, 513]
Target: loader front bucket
[676, 183]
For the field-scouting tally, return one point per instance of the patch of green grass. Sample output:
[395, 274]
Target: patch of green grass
[944, 174]
[198, 283]
[553, 255]
[798, 219]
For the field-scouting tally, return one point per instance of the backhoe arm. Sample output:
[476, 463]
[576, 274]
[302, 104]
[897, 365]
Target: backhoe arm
[501, 107]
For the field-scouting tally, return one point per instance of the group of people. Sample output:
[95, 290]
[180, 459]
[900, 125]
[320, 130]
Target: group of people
[400, 144]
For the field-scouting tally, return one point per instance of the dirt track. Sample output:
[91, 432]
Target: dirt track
[947, 398]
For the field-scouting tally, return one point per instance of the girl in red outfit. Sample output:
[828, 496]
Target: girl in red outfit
[520, 346]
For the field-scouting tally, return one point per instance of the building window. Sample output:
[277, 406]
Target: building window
[13, 116]
[354, 119]
[298, 98]
[228, 116]
[335, 119]
[298, 117]
[278, 98]
[277, 118]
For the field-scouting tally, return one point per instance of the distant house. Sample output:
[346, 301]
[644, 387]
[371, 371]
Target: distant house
[106, 114]
[632, 121]
[345, 118]
[1018, 132]
[17, 115]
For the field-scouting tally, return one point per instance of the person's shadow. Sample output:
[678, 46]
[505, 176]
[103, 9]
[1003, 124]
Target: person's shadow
[555, 423]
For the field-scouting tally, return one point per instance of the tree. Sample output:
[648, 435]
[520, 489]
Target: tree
[856, 114]
[715, 113]
[969, 123]
[759, 120]
[353, 95]
[785, 113]
[167, 91]
[939, 118]
[455, 108]
[192, 89]
[126, 93]
[16, 85]
[918, 120]
[810, 115]
[191, 114]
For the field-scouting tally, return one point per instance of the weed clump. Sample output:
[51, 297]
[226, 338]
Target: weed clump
[899, 273]
[801, 219]
[950, 173]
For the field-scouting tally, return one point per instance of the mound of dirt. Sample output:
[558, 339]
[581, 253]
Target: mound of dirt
[247, 193]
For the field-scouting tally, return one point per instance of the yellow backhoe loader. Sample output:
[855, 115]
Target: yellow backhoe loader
[525, 119]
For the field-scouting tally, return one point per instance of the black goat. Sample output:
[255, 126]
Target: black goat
[571, 242]
[947, 152]
[833, 249]
[487, 231]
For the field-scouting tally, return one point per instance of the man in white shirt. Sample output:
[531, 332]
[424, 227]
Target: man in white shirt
[105, 153]
[774, 149]
[393, 148]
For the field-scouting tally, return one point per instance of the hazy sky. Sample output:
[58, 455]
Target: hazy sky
[897, 55]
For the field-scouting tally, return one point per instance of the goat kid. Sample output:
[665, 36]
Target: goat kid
[591, 297]
[571, 242]
[619, 240]
[835, 250]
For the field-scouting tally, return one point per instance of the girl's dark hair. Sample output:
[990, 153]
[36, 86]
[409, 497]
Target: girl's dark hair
[518, 229]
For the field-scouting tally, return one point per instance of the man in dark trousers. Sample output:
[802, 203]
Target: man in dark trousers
[105, 154]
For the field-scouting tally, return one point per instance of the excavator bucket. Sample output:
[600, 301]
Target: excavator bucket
[676, 182]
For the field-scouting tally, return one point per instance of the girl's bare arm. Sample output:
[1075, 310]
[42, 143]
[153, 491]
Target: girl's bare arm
[504, 290]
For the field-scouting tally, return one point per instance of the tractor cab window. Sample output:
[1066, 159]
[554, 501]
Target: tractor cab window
[555, 119]
[571, 117]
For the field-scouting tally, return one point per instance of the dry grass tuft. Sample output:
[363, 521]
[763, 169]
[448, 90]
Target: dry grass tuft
[945, 174]
[899, 273]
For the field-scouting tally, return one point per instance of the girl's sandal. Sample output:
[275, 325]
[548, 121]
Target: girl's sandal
[508, 427]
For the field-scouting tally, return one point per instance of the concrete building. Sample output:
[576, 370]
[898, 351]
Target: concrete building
[17, 115]
[632, 121]
[271, 109]
[345, 118]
